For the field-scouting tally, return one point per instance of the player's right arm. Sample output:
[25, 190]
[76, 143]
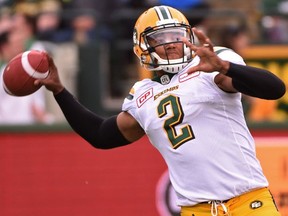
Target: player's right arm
[101, 133]
[129, 127]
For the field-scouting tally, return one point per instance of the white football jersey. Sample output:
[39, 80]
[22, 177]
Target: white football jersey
[201, 133]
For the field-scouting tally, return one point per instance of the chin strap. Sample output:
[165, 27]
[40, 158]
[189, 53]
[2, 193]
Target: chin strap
[173, 68]
[170, 66]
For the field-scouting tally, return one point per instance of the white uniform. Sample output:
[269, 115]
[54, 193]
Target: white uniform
[201, 133]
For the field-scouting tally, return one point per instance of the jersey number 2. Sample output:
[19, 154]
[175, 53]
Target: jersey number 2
[185, 132]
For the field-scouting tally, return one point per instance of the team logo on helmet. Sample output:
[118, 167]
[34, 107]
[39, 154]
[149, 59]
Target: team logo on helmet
[135, 36]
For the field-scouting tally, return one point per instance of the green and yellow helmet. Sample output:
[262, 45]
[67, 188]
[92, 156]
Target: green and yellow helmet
[161, 20]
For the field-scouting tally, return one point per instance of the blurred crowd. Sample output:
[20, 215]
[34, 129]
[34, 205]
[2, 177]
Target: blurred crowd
[60, 27]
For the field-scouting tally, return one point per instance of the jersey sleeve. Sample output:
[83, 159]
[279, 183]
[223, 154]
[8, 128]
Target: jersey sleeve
[129, 103]
[229, 55]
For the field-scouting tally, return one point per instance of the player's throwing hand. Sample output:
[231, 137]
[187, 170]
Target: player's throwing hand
[209, 61]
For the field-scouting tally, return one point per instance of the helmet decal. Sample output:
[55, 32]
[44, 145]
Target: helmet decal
[163, 12]
[135, 36]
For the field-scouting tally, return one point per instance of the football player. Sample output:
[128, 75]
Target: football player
[191, 112]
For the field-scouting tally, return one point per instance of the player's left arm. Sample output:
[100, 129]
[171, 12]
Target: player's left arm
[233, 77]
[251, 81]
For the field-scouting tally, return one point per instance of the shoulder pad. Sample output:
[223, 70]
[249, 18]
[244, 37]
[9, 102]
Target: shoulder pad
[219, 49]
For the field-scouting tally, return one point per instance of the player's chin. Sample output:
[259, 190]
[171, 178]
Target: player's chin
[174, 56]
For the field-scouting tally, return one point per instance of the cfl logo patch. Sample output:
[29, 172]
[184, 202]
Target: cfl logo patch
[256, 204]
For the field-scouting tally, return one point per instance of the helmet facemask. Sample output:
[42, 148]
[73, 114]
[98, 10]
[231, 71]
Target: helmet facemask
[164, 37]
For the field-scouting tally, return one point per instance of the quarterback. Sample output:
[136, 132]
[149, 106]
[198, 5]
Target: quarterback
[191, 112]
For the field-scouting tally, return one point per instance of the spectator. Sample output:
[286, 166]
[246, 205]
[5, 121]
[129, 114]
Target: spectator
[24, 25]
[21, 110]
[51, 24]
[235, 37]
[83, 26]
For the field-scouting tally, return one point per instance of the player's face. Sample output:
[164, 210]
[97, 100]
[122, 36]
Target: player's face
[167, 43]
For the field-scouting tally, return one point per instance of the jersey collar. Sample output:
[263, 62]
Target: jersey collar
[163, 79]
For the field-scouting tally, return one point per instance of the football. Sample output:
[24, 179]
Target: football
[21, 72]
